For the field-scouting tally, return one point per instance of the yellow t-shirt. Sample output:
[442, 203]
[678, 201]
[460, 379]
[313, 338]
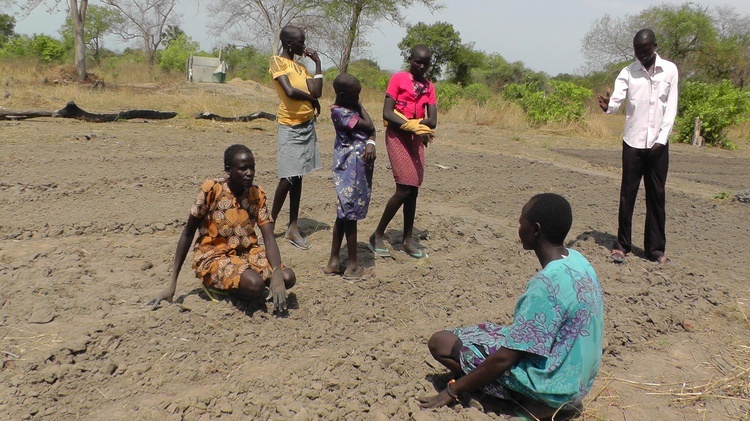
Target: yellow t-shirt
[291, 111]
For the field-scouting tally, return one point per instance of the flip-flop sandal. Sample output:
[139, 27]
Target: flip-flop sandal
[378, 251]
[419, 254]
[302, 244]
[617, 256]
[212, 293]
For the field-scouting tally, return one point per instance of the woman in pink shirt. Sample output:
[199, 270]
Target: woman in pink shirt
[410, 112]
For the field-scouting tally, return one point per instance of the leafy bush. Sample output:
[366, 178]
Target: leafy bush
[448, 94]
[42, 47]
[47, 49]
[478, 92]
[245, 63]
[564, 102]
[719, 107]
[176, 55]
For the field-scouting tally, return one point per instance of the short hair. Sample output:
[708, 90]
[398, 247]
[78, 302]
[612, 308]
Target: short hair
[344, 81]
[232, 152]
[645, 35]
[288, 31]
[554, 215]
[419, 47]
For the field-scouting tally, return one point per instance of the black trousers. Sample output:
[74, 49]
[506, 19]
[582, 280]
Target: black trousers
[652, 167]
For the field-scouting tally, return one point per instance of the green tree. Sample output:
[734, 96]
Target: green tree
[685, 34]
[176, 55]
[443, 40]
[77, 13]
[463, 61]
[354, 18]
[146, 21]
[495, 72]
[172, 33]
[708, 45]
[100, 21]
[7, 28]
[245, 62]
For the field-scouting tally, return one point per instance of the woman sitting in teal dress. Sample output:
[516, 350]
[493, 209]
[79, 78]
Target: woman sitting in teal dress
[547, 359]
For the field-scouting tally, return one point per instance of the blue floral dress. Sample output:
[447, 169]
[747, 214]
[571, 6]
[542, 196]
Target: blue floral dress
[352, 176]
[559, 323]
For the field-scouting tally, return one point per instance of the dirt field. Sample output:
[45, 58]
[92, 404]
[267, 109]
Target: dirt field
[90, 215]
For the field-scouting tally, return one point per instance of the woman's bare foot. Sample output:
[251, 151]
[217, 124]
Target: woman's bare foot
[333, 267]
[357, 273]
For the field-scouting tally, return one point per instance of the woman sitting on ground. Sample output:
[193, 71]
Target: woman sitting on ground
[547, 359]
[226, 254]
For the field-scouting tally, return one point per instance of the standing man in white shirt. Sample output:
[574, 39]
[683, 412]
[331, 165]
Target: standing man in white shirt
[648, 87]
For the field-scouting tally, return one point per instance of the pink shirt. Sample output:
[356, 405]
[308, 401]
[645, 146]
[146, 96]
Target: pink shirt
[650, 102]
[411, 97]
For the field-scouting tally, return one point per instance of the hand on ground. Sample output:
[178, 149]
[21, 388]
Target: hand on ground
[441, 399]
[278, 291]
[165, 295]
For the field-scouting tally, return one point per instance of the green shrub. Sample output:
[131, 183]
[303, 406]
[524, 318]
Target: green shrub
[563, 102]
[719, 107]
[448, 94]
[47, 49]
[41, 47]
[245, 63]
[176, 55]
[478, 92]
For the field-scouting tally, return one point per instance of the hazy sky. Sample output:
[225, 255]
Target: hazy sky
[544, 34]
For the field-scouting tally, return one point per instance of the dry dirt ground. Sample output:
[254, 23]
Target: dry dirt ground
[90, 215]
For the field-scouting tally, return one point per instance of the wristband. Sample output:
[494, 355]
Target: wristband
[318, 76]
[370, 142]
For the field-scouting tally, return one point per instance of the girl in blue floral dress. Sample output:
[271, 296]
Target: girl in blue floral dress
[353, 158]
[547, 359]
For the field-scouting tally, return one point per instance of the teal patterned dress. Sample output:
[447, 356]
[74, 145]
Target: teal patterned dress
[559, 323]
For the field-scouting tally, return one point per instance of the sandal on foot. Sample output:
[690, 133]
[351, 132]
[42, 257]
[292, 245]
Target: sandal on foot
[300, 244]
[212, 293]
[617, 256]
[419, 254]
[378, 252]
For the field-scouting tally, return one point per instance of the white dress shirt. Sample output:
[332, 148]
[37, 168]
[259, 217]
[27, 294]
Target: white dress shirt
[650, 102]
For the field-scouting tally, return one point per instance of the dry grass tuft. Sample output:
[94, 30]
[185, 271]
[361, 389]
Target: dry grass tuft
[497, 113]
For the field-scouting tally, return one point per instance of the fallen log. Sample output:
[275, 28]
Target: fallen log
[23, 115]
[71, 110]
[242, 118]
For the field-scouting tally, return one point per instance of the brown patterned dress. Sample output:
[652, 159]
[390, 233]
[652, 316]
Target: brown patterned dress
[227, 245]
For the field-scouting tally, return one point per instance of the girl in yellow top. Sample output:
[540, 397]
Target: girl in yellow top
[297, 142]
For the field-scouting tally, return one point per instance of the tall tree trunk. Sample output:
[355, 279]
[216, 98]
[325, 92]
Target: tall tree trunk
[351, 35]
[78, 17]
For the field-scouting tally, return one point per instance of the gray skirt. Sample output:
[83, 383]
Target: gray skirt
[297, 150]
